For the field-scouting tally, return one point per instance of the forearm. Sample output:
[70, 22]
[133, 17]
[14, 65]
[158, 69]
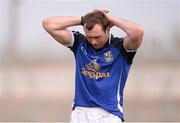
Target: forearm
[57, 28]
[130, 28]
[134, 32]
[60, 23]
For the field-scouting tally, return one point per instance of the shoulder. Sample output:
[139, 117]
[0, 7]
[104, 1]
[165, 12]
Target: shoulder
[78, 36]
[77, 39]
[118, 44]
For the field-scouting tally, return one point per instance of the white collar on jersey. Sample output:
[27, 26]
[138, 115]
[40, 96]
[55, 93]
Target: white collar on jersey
[109, 38]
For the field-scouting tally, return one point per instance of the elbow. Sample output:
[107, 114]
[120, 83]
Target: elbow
[136, 37]
[137, 34]
[140, 32]
[47, 24]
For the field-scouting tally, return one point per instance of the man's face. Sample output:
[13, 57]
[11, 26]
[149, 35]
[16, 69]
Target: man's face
[96, 36]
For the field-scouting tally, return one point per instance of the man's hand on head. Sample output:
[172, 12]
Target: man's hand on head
[107, 14]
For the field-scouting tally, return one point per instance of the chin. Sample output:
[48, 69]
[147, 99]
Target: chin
[97, 48]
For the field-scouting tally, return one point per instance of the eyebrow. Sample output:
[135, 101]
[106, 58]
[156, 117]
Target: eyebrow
[93, 36]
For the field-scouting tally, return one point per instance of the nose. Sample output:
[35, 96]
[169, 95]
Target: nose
[93, 41]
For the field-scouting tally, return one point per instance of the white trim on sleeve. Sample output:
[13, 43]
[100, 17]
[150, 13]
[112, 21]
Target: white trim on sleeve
[129, 51]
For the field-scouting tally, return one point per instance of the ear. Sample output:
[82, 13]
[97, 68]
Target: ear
[84, 28]
[108, 29]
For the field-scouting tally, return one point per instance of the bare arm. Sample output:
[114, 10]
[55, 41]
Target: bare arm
[134, 31]
[57, 28]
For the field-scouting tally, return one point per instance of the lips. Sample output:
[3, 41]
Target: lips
[96, 46]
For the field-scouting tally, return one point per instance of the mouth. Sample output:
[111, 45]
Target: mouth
[96, 46]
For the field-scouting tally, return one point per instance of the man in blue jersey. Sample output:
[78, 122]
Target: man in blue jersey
[102, 62]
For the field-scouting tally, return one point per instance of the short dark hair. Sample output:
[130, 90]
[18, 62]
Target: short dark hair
[93, 18]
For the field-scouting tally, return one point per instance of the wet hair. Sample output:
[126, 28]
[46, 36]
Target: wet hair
[93, 18]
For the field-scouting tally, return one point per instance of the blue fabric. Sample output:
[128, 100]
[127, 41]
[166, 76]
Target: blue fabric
[101, 74]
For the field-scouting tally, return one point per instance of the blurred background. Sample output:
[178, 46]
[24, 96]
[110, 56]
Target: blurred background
[37, 73]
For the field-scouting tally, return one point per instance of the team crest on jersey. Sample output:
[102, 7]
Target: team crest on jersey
[108, 56]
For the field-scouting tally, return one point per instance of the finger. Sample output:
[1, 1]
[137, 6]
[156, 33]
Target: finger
[103, 10]
[106, 10]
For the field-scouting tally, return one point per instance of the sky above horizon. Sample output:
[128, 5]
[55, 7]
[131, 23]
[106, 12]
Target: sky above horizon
[160, 19]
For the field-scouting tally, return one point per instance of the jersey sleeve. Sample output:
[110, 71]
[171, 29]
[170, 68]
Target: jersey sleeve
[76, 40]
[127, 54]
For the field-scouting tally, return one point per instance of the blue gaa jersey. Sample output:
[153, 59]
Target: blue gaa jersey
[101, 74]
